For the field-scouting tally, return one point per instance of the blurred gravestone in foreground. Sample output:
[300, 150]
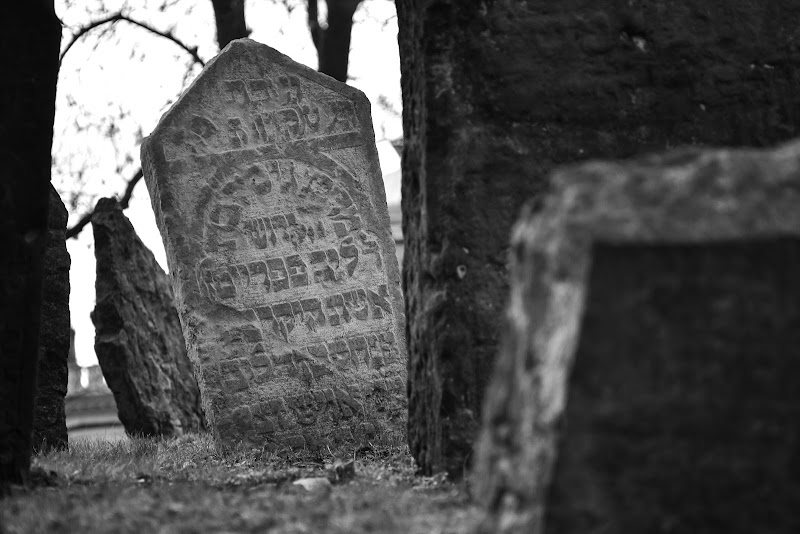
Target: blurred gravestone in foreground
[138, 338]
[49, 418]
[648, 381]
[495, 94]
[265, 181]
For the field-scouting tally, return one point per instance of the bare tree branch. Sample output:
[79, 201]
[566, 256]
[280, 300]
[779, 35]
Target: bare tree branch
[111, 19]
[126, 197]
[123, 202]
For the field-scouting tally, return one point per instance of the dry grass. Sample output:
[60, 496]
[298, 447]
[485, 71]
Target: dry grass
[184, 485]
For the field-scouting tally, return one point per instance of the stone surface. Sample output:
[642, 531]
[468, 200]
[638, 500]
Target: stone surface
[73, 369]
[647, 382]
[495, 94]
[265, 182]
[49, 419]
[138, 337]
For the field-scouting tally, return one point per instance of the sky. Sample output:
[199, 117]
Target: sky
[114, 86]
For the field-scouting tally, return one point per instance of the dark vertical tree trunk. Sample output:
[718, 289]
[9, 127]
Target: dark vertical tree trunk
[333, 42]
[495, 94]
[464, 178]
[229, 17]
[29, 54]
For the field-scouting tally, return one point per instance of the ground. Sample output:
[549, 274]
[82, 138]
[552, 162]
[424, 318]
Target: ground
[184, 485]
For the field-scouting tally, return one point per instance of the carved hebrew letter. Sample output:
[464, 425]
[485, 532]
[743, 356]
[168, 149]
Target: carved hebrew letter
[298, 273]
[339, 352]
[311, 117]
[226, 289]
[347, 250]
[279, 223]
[205, 278]
[324, 265]
[240, 276]
[358, 348]
[291, 123]
[259, 176]
[313, 308]
[236, 132]
[265, 128]
[357, 303]
[203, 127]
[284, 319]
[258, 231]
[379, 303]
[267, 318]
[258, 274]
[225, 217]
[235, 91]
[291, 84]
[278, 275]
[319, 352]
[233, 377]
[261, 89]
[344, 119]
[337, 312]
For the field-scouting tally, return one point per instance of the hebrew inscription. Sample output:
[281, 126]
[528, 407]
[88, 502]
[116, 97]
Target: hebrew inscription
[265, 181]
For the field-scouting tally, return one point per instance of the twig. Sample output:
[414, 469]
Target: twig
[126, 198]
[191, 50]
[123, 202]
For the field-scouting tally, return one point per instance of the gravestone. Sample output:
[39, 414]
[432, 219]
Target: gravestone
[49, 417]
[265, 181]
[138, 338]
[73, 369]
[497, 94]
[647, 382]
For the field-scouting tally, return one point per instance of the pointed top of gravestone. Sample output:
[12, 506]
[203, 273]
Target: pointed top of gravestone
[265, 181]
[247, 73]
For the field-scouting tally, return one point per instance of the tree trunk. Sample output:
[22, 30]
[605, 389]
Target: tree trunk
[229, 16]
[29, 55]
[464, 178]
[333, 42]
[494, 95]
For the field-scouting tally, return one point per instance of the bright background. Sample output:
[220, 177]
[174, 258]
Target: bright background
[115, 84]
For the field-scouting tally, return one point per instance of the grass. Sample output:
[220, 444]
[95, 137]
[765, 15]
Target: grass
[183, 485]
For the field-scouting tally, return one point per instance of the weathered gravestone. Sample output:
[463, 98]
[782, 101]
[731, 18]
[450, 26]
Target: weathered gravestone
[648, 381]
[73, 369]
[49, 417]
[265, 182]
[138, 337]
[496, 94]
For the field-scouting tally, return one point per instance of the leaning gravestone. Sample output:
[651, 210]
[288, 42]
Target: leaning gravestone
[49, 417]
[265, 182]
[648, 382]
[138, 337]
